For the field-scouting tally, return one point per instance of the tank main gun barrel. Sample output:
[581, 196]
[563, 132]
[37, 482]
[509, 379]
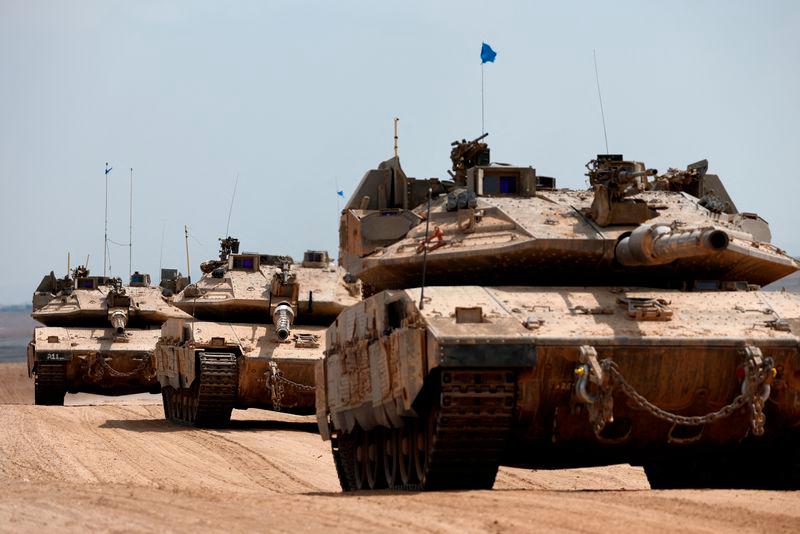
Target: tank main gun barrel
[659, 244]
[119, 319]
[282, 318]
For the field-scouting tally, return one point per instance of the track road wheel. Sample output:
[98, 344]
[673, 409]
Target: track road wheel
[50, 385]
[391, 473]
[406, 444]
[423, 436]
[373, 441]
[361, 459]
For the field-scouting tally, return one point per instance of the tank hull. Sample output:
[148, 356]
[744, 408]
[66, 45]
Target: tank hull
[255, 369]
[91, 360]
[507, 367]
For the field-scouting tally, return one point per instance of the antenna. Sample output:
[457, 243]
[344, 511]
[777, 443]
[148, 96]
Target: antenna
[68, 264]
[130, 232]
[396, 120]
[161, 254]
[105, 236]
[425, 251]
[600, 97]
[188, 265]
[87, 261]
[230, 210]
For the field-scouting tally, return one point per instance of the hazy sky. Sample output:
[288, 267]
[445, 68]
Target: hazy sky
[295, 96]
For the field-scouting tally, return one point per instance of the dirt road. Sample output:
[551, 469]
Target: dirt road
[119, 466]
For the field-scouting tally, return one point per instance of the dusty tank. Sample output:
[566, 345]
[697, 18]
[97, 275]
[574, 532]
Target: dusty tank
[208, 367]
[99, 335]
[561, 328]
[241, 287]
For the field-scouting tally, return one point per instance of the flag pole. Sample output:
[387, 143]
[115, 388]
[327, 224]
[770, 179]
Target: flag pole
[105, 234]
[483, 127]
[130, 232]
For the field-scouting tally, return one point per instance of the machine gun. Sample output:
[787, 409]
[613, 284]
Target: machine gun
[613, 179]
[283, 294]
[466, 154]
[227, 246]
[618, 177]
[689, 180]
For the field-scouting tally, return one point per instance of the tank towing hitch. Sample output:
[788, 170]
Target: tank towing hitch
[759, 371]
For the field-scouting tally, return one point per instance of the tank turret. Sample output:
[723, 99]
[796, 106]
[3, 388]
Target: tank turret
[248, 287]
[504, 224]
[91, 301]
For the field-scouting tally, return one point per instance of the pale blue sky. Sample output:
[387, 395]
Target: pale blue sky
[295, 95]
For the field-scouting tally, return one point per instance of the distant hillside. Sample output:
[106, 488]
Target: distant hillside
[789, 283]
[15, 308]
[16, 329]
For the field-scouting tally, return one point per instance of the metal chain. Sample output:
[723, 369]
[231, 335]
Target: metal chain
[296, 385]
[752, 394]
[277, 382]
[113, 372]
[275, 385]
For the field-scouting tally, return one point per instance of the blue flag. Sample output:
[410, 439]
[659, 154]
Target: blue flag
[340, 193]
[487, 54]
[108, 169]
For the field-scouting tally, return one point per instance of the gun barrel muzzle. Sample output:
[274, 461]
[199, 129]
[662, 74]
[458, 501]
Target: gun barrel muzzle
[282, 318]
[119, 319]
[659, 244]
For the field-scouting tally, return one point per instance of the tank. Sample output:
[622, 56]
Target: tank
[99, 336]
[258, 330]
[513, 323]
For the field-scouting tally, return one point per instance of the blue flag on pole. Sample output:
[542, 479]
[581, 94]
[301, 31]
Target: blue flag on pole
[340, 193]
[108, 169]
[487, 54]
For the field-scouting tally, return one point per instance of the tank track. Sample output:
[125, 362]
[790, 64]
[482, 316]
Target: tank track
[458, 443]
[211, 398]
[50, 385]
[471, 429]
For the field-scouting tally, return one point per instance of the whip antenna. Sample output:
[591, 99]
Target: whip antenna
[396, 120]
[230, 210]
[600, 97]
[130, 232]
[425, 251]
[186, 240]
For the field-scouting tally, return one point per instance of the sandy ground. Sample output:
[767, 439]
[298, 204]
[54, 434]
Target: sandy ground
[116, 465]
